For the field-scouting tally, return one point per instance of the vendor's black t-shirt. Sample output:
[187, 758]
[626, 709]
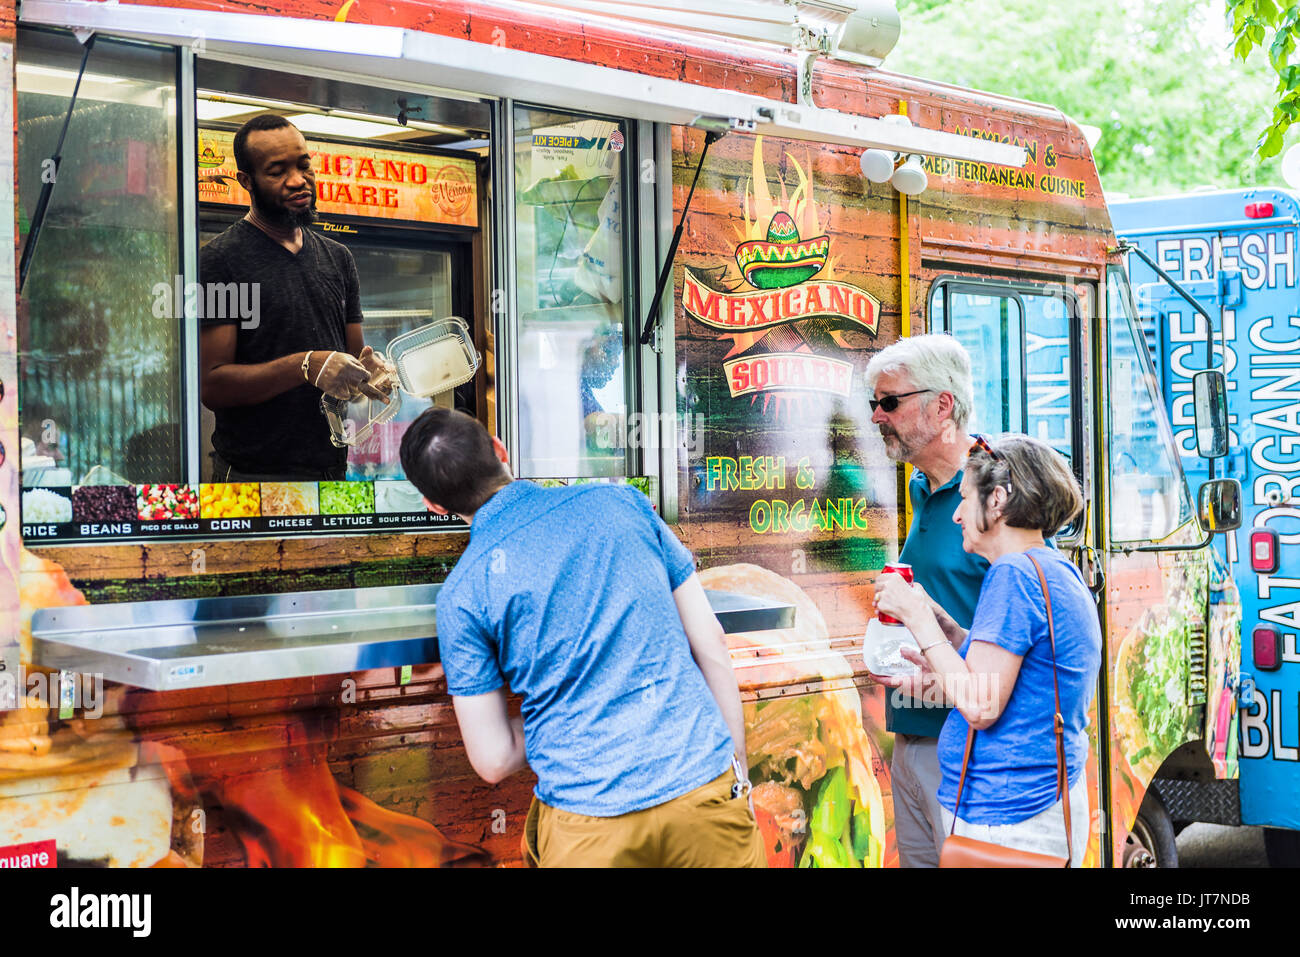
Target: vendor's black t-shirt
[304, 301]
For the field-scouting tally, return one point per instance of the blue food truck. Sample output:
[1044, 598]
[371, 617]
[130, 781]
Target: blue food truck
[1233, 254]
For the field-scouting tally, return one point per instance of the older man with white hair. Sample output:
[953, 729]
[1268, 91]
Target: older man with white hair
[922, 399]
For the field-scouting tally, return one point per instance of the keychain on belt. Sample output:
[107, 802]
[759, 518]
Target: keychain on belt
[742, 786]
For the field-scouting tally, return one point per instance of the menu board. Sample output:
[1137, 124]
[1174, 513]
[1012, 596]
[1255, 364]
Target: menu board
[81, 513]
[355, 180]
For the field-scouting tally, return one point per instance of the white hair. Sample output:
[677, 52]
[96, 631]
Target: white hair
[936, 362]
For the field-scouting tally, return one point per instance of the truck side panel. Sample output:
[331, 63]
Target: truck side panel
[1243, 270]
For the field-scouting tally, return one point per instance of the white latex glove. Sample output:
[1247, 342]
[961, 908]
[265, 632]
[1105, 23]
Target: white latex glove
[383, 374]
[342, 376]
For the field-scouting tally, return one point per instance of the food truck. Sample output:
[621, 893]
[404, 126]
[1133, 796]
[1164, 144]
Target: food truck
[654, 222]
[1229, 257]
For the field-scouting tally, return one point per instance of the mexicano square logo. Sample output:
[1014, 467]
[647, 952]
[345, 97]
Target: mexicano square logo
[786, 311]
[209, 156]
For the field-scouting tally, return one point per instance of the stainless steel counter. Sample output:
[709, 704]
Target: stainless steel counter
[195, 643]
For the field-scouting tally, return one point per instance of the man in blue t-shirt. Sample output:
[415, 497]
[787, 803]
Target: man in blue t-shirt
[582, 601]
[922, 403]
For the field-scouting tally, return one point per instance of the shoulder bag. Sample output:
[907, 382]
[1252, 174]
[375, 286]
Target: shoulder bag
[968, 852]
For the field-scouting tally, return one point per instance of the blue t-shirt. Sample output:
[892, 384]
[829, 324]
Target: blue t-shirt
[1012, 772]
[949, 574]
[566, 594]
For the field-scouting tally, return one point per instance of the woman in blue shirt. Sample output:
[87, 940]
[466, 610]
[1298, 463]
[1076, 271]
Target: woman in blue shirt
[999, 675]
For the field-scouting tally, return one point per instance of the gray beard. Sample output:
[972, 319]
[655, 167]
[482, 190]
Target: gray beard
[894, 449]
[901, 451]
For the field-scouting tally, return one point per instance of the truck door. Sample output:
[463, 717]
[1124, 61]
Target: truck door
[1027, 344]
[1171, 625]
[1024, 340]
[1175, 334]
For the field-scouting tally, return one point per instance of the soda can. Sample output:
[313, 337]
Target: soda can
[898, 568]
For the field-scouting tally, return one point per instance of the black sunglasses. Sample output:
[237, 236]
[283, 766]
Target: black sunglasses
[890, 402]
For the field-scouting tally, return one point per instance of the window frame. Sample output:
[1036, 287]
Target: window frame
[635, 462]
[643, 376]
[1016, 289]
[980, 289]
[1131, 320]
[185, 220]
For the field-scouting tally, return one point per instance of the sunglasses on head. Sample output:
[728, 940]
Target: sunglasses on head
[890, 402]
[982, 445]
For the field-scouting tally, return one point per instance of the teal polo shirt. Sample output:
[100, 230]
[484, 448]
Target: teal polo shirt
[951, 576]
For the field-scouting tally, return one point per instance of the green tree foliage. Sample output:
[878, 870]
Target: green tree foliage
[1156, 76]
[1265, 23]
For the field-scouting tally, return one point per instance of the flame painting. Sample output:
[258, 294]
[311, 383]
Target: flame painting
[783, 306]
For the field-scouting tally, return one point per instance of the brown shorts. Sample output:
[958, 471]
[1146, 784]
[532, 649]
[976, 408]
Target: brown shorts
[706, 827]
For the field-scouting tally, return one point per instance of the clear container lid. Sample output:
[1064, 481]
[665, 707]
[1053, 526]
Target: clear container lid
[102, 475]
[351, 422]
[434, 358]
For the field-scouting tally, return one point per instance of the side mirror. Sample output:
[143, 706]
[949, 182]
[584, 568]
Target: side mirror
[1210, 403]
[1219, 504]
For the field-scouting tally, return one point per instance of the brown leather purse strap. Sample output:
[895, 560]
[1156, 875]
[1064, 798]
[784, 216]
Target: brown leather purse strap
[1058, 722]
[1058, 727]
[961, 782]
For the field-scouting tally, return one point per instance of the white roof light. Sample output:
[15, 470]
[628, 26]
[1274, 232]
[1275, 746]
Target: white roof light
[217, 110]
[910, 178]
[343, 126]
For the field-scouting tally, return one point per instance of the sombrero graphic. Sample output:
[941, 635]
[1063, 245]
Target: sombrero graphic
[209, 157]
[783, 259]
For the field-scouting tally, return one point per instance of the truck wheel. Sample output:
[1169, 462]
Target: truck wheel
[1282, 847]
[1151, 843]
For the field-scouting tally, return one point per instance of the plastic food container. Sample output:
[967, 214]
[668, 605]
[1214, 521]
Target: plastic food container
[434, 358]
[429, 360]
[352, 422]
[882, 648]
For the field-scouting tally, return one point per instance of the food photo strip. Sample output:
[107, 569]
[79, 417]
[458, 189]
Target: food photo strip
[154, 511]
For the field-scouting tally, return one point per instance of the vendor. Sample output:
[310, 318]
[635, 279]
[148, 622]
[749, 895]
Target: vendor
[281, 321]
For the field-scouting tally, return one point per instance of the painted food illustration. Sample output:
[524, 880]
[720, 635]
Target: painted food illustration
[783, 259]
[816, 798]
[90, 790]
[1151, 679]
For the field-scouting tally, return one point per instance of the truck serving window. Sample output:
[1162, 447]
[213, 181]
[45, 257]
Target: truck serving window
[101, 362]
[147, 408]
[116, 313]
[1020, 338]
[1149, 498]
[573, 371]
